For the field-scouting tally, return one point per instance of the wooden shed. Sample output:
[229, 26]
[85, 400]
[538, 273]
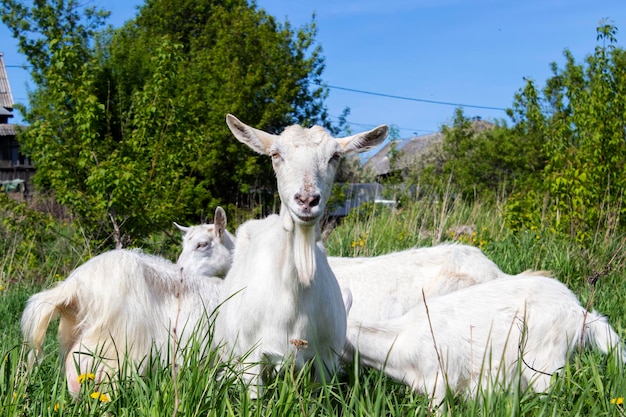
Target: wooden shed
[16, 169]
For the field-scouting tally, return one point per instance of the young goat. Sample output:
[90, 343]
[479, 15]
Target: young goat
[502, 332]
[280, 291]
[122, 306]
[207, 249]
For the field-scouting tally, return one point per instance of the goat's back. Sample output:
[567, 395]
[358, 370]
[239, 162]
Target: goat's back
[387, 286]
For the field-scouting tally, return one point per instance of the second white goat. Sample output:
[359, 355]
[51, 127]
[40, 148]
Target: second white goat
[498, 333]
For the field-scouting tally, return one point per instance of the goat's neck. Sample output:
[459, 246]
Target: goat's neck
[302, 244]
[229, 241]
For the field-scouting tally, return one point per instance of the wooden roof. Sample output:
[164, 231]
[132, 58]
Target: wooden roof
[412, 149]
[409, 150]
[6, 98]
[8, 130]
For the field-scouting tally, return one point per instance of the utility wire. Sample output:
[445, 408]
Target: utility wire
[443, 103]
[372, 93]
[371, 126]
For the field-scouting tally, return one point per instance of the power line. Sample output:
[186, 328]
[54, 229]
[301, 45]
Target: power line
[371, 126]
[372, 93]
[443, 103]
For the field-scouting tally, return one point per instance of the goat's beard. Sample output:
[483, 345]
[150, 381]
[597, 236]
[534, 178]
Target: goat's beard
[304, 246]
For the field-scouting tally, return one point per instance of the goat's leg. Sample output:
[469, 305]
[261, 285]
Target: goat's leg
[434, 387]
[83, 367]
[325, 367]
[251, 377]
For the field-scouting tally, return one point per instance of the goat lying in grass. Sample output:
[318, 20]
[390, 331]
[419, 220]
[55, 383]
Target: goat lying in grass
[122, 306]
[280, 291]
[495, 333]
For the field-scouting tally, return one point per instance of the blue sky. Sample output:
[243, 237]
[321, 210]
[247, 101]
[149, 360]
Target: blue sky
[471, 52]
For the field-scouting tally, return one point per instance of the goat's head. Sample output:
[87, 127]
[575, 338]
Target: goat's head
[207, 248]
[305, 160]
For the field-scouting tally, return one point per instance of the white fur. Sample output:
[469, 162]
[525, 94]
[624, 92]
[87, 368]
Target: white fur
[121, 305]
[389, 285]
[480, 334]
[281, 289]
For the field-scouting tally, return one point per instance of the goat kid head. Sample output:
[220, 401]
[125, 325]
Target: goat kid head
[207, 248]
[305, 161]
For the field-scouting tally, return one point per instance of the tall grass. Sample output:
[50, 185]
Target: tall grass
[586, 386]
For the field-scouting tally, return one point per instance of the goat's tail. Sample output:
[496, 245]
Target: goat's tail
[44, 307]
[599, 333]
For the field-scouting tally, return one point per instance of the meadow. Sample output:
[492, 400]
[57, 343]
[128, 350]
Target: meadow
[590, 385]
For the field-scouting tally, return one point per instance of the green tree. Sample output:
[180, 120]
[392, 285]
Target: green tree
[127, 126]
[481, 159]
[237, 60]
[580, 118]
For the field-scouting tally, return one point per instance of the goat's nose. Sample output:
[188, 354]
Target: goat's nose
[306, 200]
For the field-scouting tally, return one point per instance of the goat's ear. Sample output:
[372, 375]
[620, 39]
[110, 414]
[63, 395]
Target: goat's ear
[220, 221]
[364, 141]
[256, 139]
[183, 229]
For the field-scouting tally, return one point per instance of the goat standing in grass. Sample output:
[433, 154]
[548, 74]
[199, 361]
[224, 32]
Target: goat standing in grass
[518, 329]
[281, 290]
[121, 306]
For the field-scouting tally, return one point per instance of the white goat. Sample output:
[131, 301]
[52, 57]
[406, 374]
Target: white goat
[495, 333]
[207, 248]
[122, 306]
[281, 290]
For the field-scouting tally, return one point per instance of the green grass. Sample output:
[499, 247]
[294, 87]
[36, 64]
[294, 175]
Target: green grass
[585, 387]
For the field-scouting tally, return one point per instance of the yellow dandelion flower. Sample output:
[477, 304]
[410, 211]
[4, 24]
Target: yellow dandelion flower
[100, 396]
[617, 401]
[56, 407]
[1, 287]
[84, 377]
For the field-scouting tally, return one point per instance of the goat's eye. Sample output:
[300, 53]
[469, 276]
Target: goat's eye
[335, 158]
[275, 156]
[201, 245]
